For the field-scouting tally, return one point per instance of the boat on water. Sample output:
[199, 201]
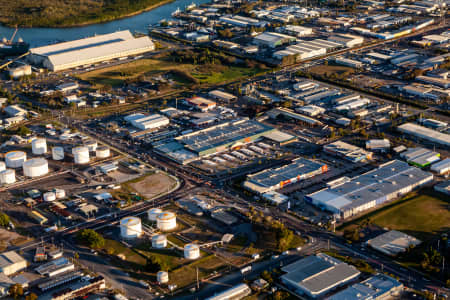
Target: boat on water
[11, 48]
[176, 12]
[191, 6]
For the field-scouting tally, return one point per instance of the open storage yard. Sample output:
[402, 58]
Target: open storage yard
[152, 185]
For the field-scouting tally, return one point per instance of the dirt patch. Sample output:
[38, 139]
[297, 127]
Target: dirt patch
[8, 238]
[152, 185]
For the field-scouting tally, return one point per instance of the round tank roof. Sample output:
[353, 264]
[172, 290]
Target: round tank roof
[166, 215]
[130, 221]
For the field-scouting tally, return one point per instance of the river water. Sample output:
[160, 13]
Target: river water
[44, 36]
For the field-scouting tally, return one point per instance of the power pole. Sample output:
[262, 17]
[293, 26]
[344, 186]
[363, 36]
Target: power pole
[198, 285]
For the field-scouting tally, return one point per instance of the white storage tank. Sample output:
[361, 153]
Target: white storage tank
[162, 277]
[60, 193]
[7, 176]
[49, 197]
[39, 146]
[191, 251]
[15, 159]
[35, 167]
[80, 155]
[130, 227]
[102, 152]
[92, 145]
[166, 221]
[153, 214]
[58, 153]
[2, 166]
[159, 241]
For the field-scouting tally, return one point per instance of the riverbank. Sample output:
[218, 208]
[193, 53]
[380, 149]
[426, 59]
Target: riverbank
[17, 15]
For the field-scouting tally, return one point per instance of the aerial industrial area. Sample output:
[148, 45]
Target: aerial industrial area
[231, 150]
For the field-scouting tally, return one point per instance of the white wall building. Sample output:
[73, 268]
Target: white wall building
[90, 50]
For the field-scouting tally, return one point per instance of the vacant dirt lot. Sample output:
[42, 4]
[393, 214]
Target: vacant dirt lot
[152, 185]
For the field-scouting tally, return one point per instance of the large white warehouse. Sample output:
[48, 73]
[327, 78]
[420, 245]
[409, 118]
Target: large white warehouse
[145, 122]
[130, 227]
[90, 50]
[389, 181]
[35, 167]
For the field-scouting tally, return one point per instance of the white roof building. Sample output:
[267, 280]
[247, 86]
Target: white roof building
[425, 133]
[393, 242]
[317, 274]
[145, 122]
[90, 50]
[389, 181]
[15, 111]
[11, 262]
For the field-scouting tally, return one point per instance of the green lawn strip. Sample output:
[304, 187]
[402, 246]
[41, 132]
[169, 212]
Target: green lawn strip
[187, 274]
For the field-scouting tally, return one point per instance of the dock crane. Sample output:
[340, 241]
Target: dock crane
[13, 60]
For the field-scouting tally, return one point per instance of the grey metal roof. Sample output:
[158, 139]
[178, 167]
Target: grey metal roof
[372, 288]
[393, 242]
[9, 258]
[222, 134]
[298, 167]
[389, 178]
[318, 274]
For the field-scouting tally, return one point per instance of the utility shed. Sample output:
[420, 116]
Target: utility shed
[393, 242]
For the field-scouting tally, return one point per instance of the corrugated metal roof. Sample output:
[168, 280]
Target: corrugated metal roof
[82, 43]
[100, 51]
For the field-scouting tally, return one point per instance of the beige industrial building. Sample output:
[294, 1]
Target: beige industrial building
[11, 262]
[90, 50]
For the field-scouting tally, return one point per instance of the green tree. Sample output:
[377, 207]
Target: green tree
[16, 291]
[90, 238]
[267, 276]
[23, 131]
[153, 264]
[4, 219]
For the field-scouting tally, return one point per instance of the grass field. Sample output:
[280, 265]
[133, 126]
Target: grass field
[327, 70]
[131, 256]
[420, 215]
[187, 274]
[205, 74]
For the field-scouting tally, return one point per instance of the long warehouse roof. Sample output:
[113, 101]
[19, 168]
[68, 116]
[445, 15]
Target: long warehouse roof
[104, 50]
[425, 133]
[80, 44]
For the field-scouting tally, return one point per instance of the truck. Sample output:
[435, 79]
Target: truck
[246, 269]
